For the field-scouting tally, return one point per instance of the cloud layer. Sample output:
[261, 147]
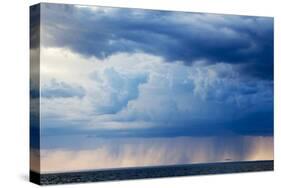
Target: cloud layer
[176, 36]
[56, 89]
[128, 92]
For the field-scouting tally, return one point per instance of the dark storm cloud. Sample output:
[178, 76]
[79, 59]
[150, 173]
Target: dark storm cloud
[173, 35]
[256, 124]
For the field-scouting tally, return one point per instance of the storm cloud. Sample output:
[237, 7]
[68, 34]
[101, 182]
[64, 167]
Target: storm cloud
[132, 87]
[111, 72]
[101, 32]
[139, 95]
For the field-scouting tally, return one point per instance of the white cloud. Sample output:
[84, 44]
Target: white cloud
[139, 87]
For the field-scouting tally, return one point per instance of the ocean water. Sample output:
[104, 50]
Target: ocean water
[154, 172]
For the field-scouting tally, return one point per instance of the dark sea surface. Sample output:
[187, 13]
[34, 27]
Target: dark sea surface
[151, 172]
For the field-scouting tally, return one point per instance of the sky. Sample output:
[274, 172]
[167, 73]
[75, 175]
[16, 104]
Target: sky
[143, 79]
